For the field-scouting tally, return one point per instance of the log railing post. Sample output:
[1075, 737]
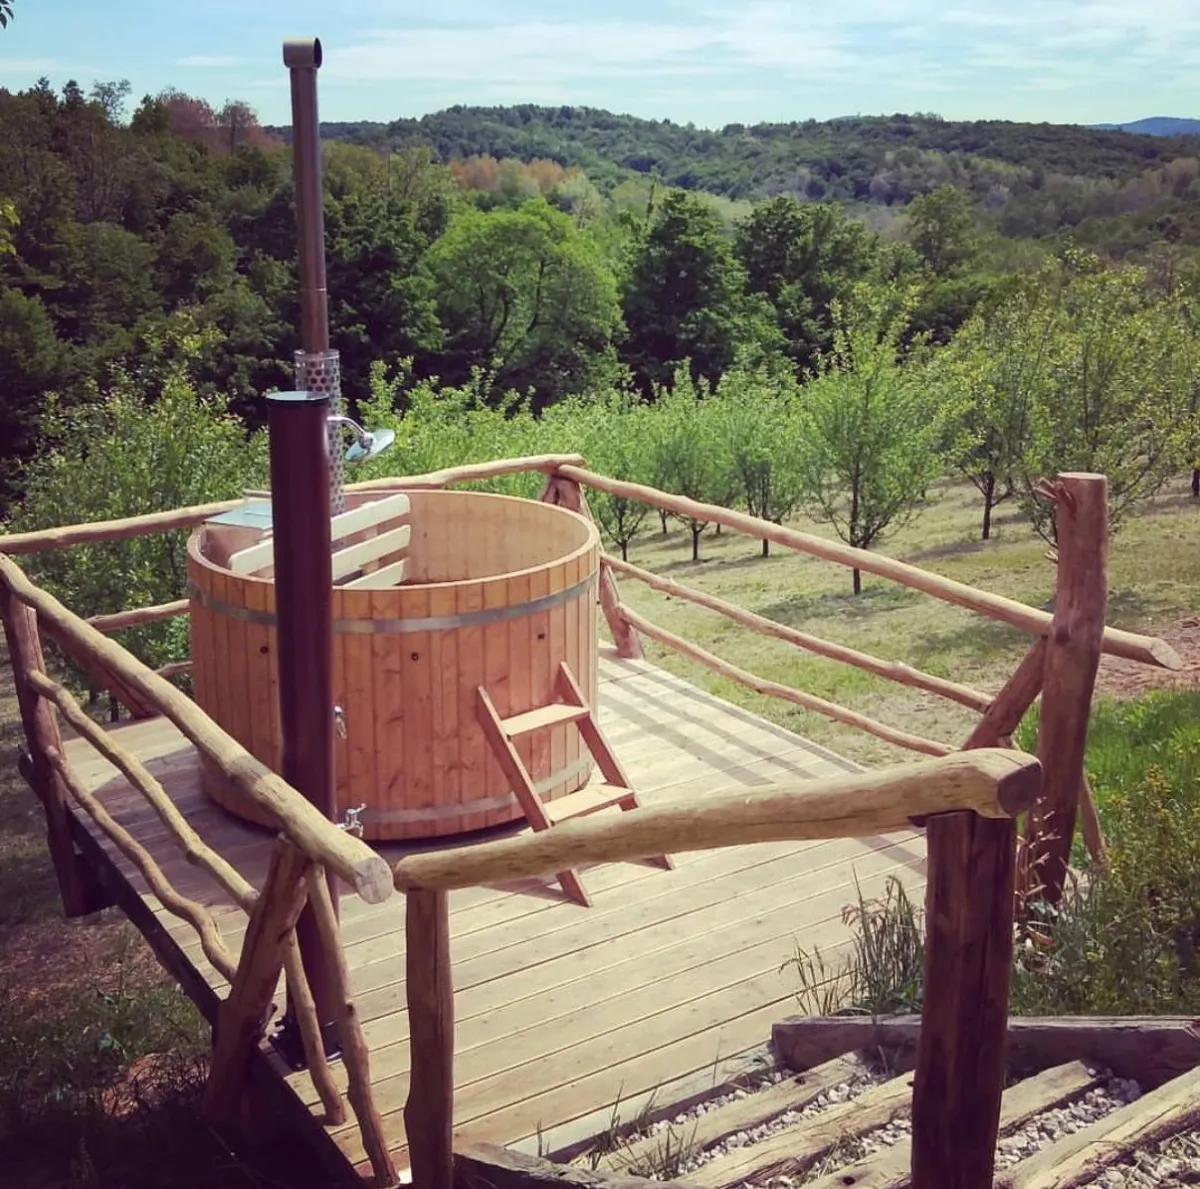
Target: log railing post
[429, 1112]
[964, 1017]
[42, 741]
[568, 494]
[1072, 658]
[243, 1015]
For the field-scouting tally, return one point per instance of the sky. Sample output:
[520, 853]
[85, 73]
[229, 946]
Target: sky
[711, 62]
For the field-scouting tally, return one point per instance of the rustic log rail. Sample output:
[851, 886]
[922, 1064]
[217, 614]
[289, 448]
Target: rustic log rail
[891, 670]
[958, 1084]
[1131, 645]
[967, 800]
[350, 858]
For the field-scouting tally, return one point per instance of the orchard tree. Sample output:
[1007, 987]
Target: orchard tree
[874, 430]
[759, 421]
[146, 444]
[992, 370]
[613, 433]
[1114, 390]
[690, 454]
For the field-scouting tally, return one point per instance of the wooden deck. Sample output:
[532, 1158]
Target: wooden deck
[669, 982]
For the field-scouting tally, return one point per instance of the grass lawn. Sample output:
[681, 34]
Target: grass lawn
[1154, 580]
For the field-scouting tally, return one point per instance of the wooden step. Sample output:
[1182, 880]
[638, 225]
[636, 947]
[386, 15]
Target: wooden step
[542, 716]
[589, 800]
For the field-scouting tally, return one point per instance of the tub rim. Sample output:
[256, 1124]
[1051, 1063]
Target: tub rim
[591, 541]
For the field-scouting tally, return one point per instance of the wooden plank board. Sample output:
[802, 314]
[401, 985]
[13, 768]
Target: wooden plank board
[667, 976]
[381, 579]
[354, 557]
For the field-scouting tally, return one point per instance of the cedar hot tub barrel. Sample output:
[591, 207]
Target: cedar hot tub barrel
[497, 592]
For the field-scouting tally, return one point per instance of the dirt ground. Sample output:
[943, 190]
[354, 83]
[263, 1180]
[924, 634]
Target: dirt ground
[1128, 679]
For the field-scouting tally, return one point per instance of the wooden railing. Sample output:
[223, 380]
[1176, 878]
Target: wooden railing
[971, 850]
[967, 803]
[308, 844]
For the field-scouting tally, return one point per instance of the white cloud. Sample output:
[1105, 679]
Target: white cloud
[34, 66]
[208, 61]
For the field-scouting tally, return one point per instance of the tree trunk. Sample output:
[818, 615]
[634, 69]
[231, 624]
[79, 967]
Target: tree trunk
[697, 529]
[858, 582]
[662, 516]
[624, 548]
[1196, 482]
[989, 502]
[766, 547]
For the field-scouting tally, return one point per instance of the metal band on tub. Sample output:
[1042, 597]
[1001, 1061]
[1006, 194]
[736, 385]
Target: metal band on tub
[455, 809]
[386, 627]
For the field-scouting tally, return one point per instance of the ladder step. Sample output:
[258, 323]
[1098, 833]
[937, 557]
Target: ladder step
[589, 800]
[542, 716]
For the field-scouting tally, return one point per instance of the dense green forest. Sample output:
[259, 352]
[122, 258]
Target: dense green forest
[513, 261]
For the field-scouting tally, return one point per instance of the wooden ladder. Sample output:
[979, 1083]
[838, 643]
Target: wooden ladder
[570, 707]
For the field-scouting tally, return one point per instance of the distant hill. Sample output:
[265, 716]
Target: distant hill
[1156, 126]
[871, 159]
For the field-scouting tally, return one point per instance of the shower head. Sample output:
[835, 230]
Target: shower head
[375, 442]
[366, 445]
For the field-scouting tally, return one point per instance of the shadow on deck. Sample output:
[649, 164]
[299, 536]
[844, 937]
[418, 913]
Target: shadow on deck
[667, 985]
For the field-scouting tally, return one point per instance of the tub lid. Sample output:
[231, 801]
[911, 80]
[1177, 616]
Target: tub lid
[252, 514]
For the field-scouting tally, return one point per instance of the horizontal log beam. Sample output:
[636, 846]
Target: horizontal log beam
[891, 670]
[349, 857]
[172, 900]
[489, 1166]
[994, 783]
[775, 689]
[148, 523]
[471, 472]
[1149, 1049]
[137, 617]
[1146, 649]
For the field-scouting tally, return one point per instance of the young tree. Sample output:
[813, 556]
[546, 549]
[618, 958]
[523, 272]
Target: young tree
[1115, 388]
[147, 444]
[991, 370]
[690, 455]
[613, 434]
[759, 421]
[874, 431]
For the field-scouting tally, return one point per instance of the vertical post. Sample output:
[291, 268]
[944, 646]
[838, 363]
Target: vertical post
[964, 1015]
[298, 426]
[299, 456]
[243, 1014]
[429, 1111]
[568, 494]
[1072, 658]
[42, 736]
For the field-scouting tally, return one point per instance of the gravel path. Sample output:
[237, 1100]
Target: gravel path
[1174, 1164]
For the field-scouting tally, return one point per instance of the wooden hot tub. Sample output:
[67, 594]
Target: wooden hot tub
[495, 592]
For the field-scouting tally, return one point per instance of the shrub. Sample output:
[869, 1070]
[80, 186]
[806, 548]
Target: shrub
[1125, 940]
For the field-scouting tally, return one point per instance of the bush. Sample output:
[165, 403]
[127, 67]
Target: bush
[148, 444]
[1125, 941]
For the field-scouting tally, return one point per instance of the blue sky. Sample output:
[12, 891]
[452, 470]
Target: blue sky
[709, 61]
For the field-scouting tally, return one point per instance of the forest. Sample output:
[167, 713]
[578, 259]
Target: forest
[821, 315]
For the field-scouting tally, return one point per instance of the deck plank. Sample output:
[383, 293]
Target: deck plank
[562, 1010]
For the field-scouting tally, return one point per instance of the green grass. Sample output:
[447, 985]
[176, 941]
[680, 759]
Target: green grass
[1154, 578]
[102, 1058]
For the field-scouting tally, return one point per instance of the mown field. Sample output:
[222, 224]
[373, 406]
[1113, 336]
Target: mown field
[1154, 586]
